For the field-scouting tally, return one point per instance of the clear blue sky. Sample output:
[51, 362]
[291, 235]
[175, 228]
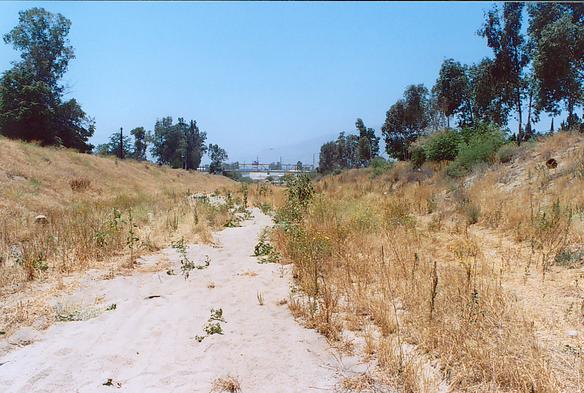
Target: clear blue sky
[255, 75]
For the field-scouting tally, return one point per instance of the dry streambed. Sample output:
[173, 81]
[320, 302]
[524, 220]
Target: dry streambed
[162, 332]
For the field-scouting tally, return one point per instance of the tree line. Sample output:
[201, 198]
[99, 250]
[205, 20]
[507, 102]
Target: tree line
[33, 107]
[530, 74]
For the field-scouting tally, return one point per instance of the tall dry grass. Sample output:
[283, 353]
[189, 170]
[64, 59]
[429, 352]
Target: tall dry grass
[432, 265]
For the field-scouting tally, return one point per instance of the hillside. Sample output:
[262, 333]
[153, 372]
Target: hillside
[445, 283]
[63, 212]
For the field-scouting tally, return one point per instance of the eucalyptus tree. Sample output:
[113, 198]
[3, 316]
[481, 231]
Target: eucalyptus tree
[32, 105]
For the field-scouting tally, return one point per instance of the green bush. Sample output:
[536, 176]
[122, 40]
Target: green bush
[442, 146]
[379, 166]
[417, 154]
[482, 146]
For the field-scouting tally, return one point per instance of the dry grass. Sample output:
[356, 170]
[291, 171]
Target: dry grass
[459, 278]
[98, 213]
[226, 384]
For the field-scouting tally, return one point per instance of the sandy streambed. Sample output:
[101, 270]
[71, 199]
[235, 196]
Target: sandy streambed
[148, 342]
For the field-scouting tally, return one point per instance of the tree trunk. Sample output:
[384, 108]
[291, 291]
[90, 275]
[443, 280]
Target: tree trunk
[528, 124]
[519, 131]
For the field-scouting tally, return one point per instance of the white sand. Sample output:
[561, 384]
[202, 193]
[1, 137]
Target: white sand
[149, 345]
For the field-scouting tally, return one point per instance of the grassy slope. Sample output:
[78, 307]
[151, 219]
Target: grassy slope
[102, 212]
[497, 311]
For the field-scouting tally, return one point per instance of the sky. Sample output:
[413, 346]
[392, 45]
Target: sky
[259, 78]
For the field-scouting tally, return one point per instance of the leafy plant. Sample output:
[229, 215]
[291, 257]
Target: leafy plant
[186, 265]
[213, 325]
[266, 252]
[442, 146]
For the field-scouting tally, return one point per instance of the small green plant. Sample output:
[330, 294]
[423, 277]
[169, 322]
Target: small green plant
[132, 238]
[213, 325]
[186, 265]
[111, 307]
[266, 252]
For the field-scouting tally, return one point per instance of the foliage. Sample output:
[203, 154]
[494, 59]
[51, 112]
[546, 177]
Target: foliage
[179, 145]
[140, 143]
[379, 165]
[113, 146]
[480, 145]
[556, 32]
[31, 103]
[327, 158]
[417, 153]
[218, 157]
[349, 150]
[213, 325]
[299, 195]
[405, 121]
[368, 143]
[266, 252]
[502, 29]
[442, 146]
[186, 265]
[452, 88]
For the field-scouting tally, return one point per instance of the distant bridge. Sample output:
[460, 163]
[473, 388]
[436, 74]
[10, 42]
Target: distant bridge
[259, 168]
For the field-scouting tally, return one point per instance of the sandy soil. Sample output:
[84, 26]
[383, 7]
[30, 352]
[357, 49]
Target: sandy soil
[148, 344]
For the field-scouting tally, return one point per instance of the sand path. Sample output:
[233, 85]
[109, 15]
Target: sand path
[148, 345]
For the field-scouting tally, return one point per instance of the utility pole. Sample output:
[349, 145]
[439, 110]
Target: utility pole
[121, 143]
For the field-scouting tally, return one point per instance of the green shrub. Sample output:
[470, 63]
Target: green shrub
[379, 166]
[417, 154]
[506, 152]
[442, 146]
[299, 195]
[481, 147]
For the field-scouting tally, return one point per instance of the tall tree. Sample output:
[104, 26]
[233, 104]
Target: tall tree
[486, 104]
[405, 121]
[32, 106]
[328, 157]
[502, 29]
[368, 143]
[218, 156]
[140, 143]
[195, 145]
[556, 41]
[113, 147]
[452, 88]
[179, 145]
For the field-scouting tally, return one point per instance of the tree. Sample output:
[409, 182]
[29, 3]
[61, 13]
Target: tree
[194, 145]
[452, 88]
[328, 157]
[299, 166]
[556, 41]
[140, 143]
[218, 157]
[112, 148]
[405, 121]
[503, 33]
[368, 143]
[179, 145]
[32, 106]
[347, 150]
[486, 104]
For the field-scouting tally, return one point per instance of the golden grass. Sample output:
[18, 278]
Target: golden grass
[459, 277]
[96, 212]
